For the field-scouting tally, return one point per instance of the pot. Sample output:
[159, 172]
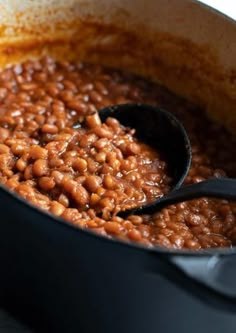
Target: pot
[57, 278]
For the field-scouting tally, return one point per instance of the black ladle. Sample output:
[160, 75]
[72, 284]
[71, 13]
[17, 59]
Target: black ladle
[160, 129]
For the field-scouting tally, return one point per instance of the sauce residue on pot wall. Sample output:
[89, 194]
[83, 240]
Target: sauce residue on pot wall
[76, 30]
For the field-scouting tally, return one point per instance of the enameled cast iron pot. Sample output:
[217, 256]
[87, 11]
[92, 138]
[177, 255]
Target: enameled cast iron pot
[61, 279]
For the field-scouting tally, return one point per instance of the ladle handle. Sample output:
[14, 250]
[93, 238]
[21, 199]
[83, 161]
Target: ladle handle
[224, 188]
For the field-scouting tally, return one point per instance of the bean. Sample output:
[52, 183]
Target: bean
[4, 149]
[135, 219]
[145, 230]
[92, 165]
[126, 165]
[12, 183]
[78, 106]
[95, 96]
[3, 93]
[70, 214]
[63, 199]
[93, 120]
[194, 219]
[177, 241]
[94, 199]
[69, 85]
[133, 148]
[56, 147]
[103, 132]
[21, 165]
[86, 87]
[47, 183]
[4, 134]
[51, 129]
[106, 203]
[114, 123]
[135, 235]
[91, 224]
[29, 86]
[101, 143]
[109, 182]
[56, 208]
[113, 227]
[192, 244]
[37, 152]
[100, 157]
[92, 182]
[87, 140]
[56, 162]
[163, 241]
[101, 88]
[40, 168]
[80, 164]
[28, 172]
[80, 195]
[18, 149]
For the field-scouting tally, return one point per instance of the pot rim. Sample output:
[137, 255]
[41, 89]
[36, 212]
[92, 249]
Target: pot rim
[132, 245]
[214, 10]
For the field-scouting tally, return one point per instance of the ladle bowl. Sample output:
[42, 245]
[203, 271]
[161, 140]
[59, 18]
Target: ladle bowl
[161, 130]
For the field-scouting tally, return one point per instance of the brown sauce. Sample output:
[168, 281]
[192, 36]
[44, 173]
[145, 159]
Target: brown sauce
[86, 174]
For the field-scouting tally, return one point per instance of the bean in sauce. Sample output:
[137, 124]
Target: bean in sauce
[56, 153]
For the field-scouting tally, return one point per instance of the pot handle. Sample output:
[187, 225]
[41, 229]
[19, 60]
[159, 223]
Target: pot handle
[212, 279]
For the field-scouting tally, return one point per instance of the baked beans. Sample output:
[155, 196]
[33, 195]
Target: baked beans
[56, 153]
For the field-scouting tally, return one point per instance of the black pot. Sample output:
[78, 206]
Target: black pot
[60, 279]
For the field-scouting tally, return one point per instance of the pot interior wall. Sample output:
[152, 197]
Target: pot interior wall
[180, 44]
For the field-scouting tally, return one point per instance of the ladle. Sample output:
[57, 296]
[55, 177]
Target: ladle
[161, 129]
